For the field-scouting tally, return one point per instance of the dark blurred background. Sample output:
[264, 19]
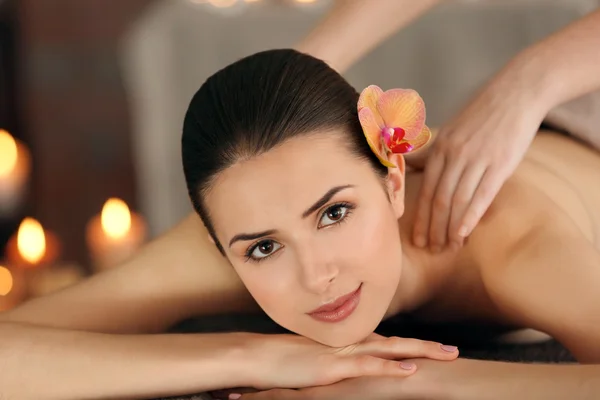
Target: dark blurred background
[62, 94]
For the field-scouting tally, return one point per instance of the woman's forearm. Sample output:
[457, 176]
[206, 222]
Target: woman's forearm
[40, 363]
[565, 65]
[354, 27]
[466, 379]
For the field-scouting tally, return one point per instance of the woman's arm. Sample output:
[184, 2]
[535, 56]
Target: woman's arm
[39, 363]
[43, 363]
[354, 27]
[488, 380]
[462, 379]
[85, 342]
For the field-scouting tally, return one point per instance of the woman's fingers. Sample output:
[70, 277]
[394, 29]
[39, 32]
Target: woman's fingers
[366, 365]
[395, 348]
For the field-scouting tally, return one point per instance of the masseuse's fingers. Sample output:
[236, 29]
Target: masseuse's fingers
[488, 188]
[470, 180]
[396, 348]
[442, 203]
[433, 170]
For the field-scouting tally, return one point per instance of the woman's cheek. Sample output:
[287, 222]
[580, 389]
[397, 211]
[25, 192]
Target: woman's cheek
[374, 232]
[269, 287]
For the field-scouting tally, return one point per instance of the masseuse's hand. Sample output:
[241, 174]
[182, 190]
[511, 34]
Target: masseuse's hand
[473, 155]
[291, 361]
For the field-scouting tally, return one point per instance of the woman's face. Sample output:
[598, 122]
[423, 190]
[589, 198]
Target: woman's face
[307, 223]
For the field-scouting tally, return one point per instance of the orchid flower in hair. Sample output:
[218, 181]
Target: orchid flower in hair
[392, 121]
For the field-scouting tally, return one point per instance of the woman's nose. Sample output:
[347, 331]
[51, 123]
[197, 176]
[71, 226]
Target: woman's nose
[318, 273]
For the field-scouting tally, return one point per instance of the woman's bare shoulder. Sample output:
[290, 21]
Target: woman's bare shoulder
[547, 279]
[178, 276]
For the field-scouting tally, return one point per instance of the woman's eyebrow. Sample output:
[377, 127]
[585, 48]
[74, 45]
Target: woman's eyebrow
[251, 236]
[318, 204]
[324, 199]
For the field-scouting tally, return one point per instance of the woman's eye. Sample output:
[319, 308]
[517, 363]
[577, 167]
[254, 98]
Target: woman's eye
[264, 249]
[333, 214]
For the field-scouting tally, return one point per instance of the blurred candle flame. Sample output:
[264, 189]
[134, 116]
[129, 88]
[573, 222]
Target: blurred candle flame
[116, 218]
[31, 241]
[6, 281]
[8, 153]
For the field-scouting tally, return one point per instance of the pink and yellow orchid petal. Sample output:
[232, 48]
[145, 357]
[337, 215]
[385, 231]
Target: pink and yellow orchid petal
[402, 108]
[372, 132]
[368, 99]
[421, 140]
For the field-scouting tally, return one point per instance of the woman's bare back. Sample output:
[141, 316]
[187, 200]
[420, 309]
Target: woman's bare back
[569, 173]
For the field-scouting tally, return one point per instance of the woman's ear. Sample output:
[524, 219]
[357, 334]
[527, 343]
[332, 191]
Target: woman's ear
[395, 183]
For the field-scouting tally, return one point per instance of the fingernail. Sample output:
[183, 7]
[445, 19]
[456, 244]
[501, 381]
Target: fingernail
[420, 241]
[449, 349]
[234, 396]
[407, 366]
[463, 231]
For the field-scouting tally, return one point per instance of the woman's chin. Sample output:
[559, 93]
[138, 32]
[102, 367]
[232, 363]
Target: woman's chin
[348, 340]
[342, 340]
[342, 335]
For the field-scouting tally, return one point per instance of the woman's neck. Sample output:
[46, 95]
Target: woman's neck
[423, 272]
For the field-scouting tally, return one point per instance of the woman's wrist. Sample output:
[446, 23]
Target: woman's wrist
[237, 359]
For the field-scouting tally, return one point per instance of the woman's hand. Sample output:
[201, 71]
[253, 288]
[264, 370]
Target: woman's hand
[475, 153]
[291, 361]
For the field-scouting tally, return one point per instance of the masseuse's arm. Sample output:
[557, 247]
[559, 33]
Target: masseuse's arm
[481, 146]
[354, 27]
[567, 63]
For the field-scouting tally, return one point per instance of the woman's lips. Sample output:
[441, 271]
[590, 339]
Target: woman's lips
[339, 309]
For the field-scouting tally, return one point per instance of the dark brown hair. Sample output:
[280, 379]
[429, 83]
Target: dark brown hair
[257, 103]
